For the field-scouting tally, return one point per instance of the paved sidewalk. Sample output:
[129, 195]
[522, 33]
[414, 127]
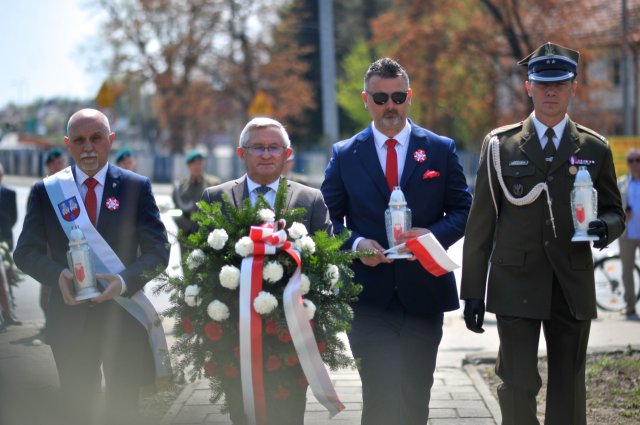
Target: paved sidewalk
[459, 397]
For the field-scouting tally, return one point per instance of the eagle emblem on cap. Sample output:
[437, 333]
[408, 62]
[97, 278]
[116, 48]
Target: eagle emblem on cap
[548, 49]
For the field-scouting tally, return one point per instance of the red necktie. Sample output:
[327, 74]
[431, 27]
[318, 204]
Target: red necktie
[90, 201]
[391, 173]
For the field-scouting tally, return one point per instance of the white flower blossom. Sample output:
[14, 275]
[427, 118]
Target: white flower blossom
[195, 259]
[218, 311]
[309, 308]
[244, 246]
[217, 239]
[272, 271]
[305, 244]
[332, 273]
[192, 296]
[229, 277]
[265, 303]
[266, 215]
[305, 284]
[297, 230]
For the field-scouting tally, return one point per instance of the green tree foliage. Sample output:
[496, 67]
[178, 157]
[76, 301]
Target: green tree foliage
[351, 85]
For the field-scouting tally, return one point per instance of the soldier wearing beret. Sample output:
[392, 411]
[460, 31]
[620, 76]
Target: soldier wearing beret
[518, 247]
[188, 191]
[125, 159]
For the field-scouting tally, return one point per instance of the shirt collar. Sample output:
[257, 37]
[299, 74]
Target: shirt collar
[251, 185]
[558, 129]
[100, 176]
[402, 137]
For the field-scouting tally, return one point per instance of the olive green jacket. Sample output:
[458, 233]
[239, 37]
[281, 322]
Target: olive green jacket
[513, 255]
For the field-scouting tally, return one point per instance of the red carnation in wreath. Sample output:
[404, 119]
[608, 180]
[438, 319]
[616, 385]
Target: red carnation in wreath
[213, 331]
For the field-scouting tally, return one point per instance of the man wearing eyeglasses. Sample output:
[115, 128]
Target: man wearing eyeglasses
[629, 242]
[518, 247]
[399, 315]
[264, 148]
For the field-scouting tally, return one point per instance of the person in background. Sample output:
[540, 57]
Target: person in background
[629, 242]
[117, 333]
[8, 218]
[288, 172]
[125, 159]
[188, 191]
[398, 320]
[518, 249]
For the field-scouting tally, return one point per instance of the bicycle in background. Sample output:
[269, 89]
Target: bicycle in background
[608, 277]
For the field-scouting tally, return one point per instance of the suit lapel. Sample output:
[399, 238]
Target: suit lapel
[239, 192]
[530, 145]
[112, 185]
[409, 164]
[365, 151]
[568, 146]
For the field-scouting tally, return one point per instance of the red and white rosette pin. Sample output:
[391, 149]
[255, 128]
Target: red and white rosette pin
[112, 204]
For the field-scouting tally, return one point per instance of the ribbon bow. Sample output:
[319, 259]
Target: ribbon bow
[266, 241]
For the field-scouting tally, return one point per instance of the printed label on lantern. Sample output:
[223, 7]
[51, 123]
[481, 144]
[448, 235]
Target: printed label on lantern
[79, 272]
[580, 213]
[397, 231]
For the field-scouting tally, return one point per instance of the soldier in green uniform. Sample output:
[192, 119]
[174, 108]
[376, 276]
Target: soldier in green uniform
[518, 245]
[187, 192]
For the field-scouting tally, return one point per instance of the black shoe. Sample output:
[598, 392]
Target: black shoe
[10, 320]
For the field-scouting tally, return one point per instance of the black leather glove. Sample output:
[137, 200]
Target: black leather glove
[599, 228]
[474, 314]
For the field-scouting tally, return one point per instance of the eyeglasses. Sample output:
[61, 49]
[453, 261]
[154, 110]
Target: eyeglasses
[632, 160]
[380, 98]
[259, 150]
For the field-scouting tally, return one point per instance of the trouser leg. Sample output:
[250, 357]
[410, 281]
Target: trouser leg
[628, 249]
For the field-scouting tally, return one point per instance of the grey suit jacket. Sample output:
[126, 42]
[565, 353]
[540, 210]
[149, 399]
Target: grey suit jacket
[298, 196]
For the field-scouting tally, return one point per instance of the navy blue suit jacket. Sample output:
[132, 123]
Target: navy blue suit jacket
[8, 214]
[135, 225]
[356, 192]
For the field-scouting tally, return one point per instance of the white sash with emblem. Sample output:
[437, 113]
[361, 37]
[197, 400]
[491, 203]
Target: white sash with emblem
[66, 200]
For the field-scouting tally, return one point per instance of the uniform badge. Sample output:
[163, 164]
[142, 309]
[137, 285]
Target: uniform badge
[573, 170]
[520, 162]
[574, 160]
[518, 189]
[69, 208]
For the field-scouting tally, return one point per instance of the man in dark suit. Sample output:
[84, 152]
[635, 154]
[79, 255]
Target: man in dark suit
[518, 245]
[264, 148]
[8, 217]
[398, 319]
[118, 215]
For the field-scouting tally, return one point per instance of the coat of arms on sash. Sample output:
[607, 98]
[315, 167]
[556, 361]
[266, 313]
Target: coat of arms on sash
[69, 208]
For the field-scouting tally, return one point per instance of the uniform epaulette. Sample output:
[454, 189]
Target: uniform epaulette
[591, 132]
[506, 128]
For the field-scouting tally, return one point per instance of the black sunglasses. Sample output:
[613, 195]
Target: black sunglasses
[398, 97]
[632, 160]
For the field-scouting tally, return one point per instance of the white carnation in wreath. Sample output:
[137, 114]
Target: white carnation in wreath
[266, 216]
[305, 284]
[218, 311]
[265, 303]
[217, 239]
[195, 259]
[306, 245]
[309, 308]
[272, 271]
[244, 246]
[229, 277]
[192, 296]
[332, 273]
[297, 230]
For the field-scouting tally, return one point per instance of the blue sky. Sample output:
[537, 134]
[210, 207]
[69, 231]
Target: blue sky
[48, 48]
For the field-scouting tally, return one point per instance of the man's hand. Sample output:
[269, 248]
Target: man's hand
[412, 233]
[599, 228]
[474, 314]
[65, 282]
[114, 287]
[371, 245]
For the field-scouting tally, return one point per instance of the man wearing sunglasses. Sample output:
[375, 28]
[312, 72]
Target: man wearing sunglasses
[629, 242]
[518, 248]
[399, 315]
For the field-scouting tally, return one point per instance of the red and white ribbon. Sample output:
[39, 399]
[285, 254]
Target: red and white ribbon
[266, 241]
[431, 254]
